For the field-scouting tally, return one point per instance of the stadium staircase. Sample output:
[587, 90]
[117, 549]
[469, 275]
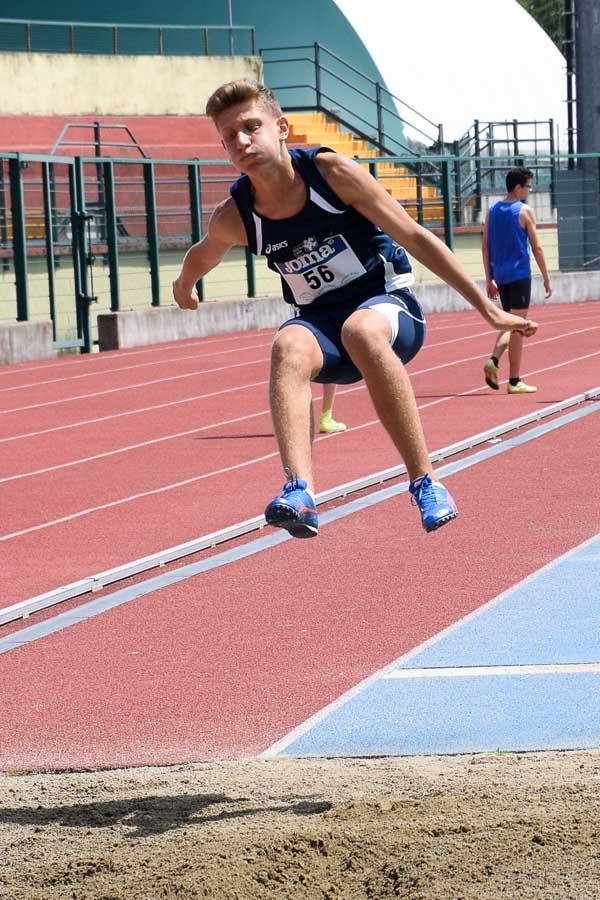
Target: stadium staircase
[314, 129]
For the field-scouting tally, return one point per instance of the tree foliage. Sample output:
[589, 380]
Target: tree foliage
[549, 14]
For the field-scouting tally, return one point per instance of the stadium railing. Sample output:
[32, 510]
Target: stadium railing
[110, 233]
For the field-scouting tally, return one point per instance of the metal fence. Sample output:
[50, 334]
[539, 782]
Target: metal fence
[102, 37]
[82, 235]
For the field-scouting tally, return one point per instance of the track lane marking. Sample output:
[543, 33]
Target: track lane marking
[175, 485]
[532, 343]
[479, 671]
[124, 595]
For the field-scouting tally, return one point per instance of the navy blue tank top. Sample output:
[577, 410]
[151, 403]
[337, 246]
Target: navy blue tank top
[328, 252]
[508, 244]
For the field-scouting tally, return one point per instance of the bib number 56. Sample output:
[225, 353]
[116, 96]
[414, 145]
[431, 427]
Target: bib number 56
[319, 276]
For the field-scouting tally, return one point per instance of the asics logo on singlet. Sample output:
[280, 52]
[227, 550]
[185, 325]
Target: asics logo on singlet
[271, 248]
[307, 260]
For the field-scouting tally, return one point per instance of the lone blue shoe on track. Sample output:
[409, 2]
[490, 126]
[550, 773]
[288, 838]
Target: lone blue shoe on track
[436, 504]
[294, 509]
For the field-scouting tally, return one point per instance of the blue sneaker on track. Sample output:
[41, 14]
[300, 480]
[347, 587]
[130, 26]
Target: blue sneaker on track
[294, 509]
[436, 504]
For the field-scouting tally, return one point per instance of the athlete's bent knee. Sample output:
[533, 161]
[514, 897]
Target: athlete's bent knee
[294, 349]
[363, 331]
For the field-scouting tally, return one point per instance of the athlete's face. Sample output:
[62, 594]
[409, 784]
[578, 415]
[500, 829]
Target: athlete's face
[523, 190]
[251, 134]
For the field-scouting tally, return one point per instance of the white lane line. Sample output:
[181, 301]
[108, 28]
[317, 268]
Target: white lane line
[238, 365]
[141, 384]
[236, 554]
[118, 355]
[159, 362]
[478, 671]
[148, 443]
[133, 412]
[255, 460]
[225, 422]
[160, 490]
[198, 356]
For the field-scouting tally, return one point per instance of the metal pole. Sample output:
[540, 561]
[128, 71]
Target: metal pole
[230, 16]
[111, 235]
[457, 182]
[152, 231]
[49, 235]
[251, 281]
[84, 298]
[317, 75]
[569, 52]
[19, 238]
[379, 114]
[478, 204]
[3, 222]
[587, 68]
[196, 214]
[447, 191]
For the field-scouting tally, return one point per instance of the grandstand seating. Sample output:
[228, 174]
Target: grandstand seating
[313, 128]
[174, 138]
[160, 137]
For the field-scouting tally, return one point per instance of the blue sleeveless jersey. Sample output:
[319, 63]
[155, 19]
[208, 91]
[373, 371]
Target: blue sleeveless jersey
[508, 243]
[328, 252]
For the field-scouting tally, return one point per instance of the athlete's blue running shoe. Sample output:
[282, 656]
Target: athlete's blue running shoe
[436, 504]
[294, 509]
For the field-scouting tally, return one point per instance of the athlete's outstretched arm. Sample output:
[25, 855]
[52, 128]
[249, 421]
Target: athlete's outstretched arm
[359, 189]
[225, 229]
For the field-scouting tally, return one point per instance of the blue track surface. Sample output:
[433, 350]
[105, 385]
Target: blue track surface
[550, 621]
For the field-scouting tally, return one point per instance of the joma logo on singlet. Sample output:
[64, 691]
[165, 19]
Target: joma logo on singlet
[271, 248]
[307, 260]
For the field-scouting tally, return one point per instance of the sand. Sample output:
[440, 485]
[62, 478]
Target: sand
[498, 825]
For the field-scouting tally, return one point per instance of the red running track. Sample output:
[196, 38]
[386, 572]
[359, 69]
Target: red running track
[225, 663]
[112, 457]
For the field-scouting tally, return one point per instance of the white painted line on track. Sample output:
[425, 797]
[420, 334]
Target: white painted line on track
[202, 396]
[485, 671]
[133, 412]
[154, 362]
[127, 594]
[198, 356]
[160, 490]
[118, 355]
[148, 443]
[165, 488]
[225, 422]
[142, 384]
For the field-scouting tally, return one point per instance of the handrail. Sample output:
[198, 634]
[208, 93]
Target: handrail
[115, 27]
[378, 104]
[149, 27]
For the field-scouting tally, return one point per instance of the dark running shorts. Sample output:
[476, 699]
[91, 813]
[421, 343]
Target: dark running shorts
[516, 295]
[326, 323]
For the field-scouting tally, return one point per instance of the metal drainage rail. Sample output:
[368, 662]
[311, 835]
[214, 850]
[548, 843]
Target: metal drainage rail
[25, 608]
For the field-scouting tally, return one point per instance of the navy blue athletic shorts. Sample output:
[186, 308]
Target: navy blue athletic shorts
[403, 311]
[515, 295]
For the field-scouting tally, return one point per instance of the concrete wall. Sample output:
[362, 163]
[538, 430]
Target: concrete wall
[131, 329]
[140, 323]
[22, 341]
[77, 84]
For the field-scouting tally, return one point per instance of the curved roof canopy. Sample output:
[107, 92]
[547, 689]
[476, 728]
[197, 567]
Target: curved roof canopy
[460, 60]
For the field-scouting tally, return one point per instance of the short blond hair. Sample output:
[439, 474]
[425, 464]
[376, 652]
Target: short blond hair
[241, 91]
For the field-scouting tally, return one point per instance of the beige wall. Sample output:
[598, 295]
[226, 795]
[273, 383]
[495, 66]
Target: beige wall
[76, 84]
